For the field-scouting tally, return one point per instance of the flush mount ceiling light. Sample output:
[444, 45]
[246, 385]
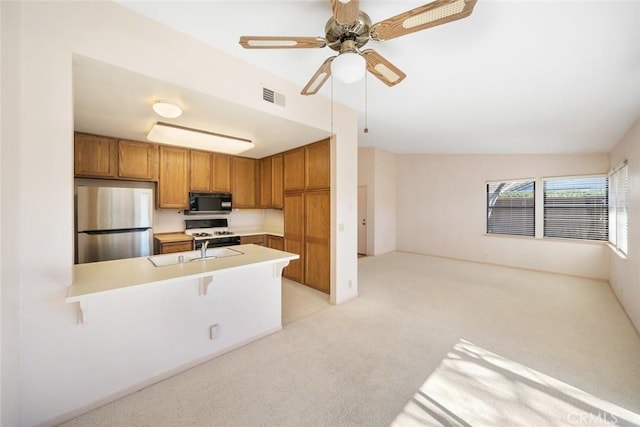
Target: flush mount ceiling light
[194, 138]
[167, 109]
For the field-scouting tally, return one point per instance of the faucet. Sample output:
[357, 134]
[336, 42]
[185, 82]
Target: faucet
[203, 249]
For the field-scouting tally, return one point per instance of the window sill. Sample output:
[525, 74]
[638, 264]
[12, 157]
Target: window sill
[617, 251]
[509, 236]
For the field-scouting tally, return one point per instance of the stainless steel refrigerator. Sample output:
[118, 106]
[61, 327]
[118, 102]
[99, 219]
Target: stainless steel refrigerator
[113, 223]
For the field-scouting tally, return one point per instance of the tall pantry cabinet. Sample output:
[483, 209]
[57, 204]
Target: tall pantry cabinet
[307, 213]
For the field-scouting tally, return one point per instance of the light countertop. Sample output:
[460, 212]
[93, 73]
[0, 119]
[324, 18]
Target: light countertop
[118, 275]
[172, 237]
[254, 232]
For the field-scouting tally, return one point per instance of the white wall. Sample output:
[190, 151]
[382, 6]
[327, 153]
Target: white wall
[442, 202]
[385, 202]
[625, 272]
[377, 172]
[59, 368]
[10, 154]
[169, 220]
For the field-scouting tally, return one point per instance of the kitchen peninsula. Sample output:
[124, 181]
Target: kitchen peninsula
[94, 279]
[97, 278]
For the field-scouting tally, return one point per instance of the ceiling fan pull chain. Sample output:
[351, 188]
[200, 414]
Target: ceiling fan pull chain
[332, 107]
[366, 87]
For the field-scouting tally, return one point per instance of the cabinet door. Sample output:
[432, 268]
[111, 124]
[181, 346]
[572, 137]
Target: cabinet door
[244, 182]
[258, 239]
[173, 188]
[173, 247]
[94, 156]
[136, 160]
[294, 170]
[294, 234]
[221, 172]
[265, 183]
[277, 181]
[275, 242]
[317, 165]
[317, 240]
[200, 178]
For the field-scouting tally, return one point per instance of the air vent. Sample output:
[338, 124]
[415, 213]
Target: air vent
[273, 97]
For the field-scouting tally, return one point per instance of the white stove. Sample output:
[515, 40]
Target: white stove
[215, 231]
[208, 233]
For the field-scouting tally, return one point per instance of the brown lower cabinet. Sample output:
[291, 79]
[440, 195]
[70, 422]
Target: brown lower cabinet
[294, 234]
[307, 233]
[257, 239]
[275, 242]
[167, 243]
[317, 238]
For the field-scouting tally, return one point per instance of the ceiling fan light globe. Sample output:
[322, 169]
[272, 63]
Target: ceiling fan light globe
[348, 67]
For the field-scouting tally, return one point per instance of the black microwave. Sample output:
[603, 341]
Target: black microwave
[209, 203]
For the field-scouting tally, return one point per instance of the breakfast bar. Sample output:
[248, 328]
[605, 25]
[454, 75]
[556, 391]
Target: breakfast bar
[92, 280]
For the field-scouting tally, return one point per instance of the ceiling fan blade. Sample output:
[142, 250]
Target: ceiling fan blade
[318, 79]
[384, 70]
[432, 14]
[281, 42]
[345, 12]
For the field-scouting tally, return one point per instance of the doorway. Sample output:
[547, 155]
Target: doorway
[362, 221]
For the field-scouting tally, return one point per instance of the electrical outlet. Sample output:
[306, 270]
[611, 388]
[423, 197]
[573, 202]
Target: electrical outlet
[214, 331]
[350, 283]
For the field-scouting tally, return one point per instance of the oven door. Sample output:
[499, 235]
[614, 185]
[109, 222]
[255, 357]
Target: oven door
[219, 242]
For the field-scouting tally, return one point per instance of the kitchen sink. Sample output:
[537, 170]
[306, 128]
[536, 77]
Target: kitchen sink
[184, 257]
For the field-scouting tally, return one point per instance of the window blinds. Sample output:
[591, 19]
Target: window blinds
[511, 208]
[576, 208]
[618, 207]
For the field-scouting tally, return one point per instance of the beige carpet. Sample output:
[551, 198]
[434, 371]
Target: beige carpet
[299, 301]
[430, 341]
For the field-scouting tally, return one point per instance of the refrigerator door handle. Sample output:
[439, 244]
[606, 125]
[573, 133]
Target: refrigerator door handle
[121, 230]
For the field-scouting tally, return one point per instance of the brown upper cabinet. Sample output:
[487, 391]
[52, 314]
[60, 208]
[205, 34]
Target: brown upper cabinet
[265, 197]
[294, 170]
[221, 172]
[244, 182]
[317, 162]
[94, 156]
[173, 179]
[209, 171]
[200, 170]
[103, 157]
[137, 160]
[277, 170]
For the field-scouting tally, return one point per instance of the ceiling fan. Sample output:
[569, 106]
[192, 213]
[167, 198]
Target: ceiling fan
[349, 29]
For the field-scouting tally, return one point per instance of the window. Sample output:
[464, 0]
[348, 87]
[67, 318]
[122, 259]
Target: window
[511, 208]
[618, 207]
[576, 208]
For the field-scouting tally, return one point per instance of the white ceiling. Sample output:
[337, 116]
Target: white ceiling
[514, 77]
[107, 101]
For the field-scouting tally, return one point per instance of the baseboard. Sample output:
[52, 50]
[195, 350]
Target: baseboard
[506, 266]
[52, 422]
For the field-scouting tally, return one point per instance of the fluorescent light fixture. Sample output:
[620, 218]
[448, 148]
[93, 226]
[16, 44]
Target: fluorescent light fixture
[194, 138]
[167, 109]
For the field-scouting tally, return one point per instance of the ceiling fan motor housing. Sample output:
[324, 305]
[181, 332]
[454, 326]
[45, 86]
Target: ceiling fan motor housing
[336, 34]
